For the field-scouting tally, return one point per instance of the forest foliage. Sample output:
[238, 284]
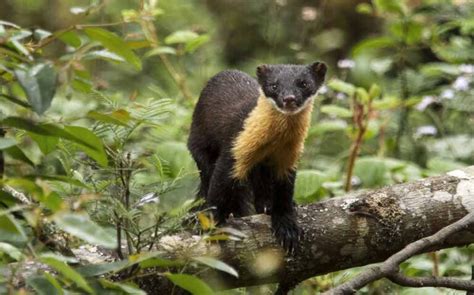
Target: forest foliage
[96, 102]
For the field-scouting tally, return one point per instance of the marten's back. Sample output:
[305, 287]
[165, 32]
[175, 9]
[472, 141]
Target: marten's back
[223, 105]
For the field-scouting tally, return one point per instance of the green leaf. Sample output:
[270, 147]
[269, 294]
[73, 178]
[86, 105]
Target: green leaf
[10, 230]
[53, 201]
[115, 118]
[46, 129]
[336, 111]
[44, 285]
[124, 288]
[309, 186]
[93, 270]
[17, 154]
[70, 38]
[217, 264]
[181, 37]
[372, 43]
[342, 86]
[7, 143]
[98, 152]
[115, 44]
[364, 8]
[39, 84]
[68, 272]
[81, 226]
[194, 44]
[393, 6]
[374, 91]
[160, 50]
[371, 171]
[362, 95]
[190, 283]
[47, 144]
[11, 251]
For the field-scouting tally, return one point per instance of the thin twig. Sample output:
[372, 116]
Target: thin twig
[452, 283]
[392, 264]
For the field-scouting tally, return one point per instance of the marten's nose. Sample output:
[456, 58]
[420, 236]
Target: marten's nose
[289, 99]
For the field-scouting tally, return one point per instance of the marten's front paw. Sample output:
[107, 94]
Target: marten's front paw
[286, 231]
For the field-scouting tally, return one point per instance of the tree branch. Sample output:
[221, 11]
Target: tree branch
[442, 282]
[392, 264]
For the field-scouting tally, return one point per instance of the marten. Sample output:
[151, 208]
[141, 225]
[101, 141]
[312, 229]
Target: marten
[246, 137]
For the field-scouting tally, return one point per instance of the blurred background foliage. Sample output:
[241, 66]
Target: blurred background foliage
[97, 97]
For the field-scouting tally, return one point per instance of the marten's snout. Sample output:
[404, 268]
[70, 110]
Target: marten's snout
[289, 100]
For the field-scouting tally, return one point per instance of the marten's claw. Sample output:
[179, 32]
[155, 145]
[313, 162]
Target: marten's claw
[287, 232]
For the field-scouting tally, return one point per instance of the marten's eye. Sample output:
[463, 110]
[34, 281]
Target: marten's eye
[303, 84]
[274, 86]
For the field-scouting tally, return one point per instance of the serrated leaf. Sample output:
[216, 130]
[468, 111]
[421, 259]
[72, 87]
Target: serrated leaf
[98, 152]
[68, 272]
[217, 264]
[190, 283]
[336, 111]
[181, 37]
[342, 86]
[39, 84]
[115, 44]
[81, 226]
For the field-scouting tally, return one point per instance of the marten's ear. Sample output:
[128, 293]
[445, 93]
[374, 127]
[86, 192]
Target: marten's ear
[262, 72]
[319, 70]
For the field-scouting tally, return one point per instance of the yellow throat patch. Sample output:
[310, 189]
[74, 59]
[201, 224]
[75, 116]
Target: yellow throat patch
[271, 136]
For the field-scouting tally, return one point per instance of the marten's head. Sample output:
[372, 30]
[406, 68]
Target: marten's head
[291, 87]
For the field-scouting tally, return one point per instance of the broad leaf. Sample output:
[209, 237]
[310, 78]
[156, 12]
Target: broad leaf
[81, 226]
[11, 251]
[6, 143]
[68, 272]
[17, 154]
[336, 111]
[342, 86]
[93, 270]
[43, 285]
[10, 230]
[98, 152]
[181, 37]
[116, 118]
[47, 144]
[217, 264]
[190, 283]
[115, 44]
[309, 186]
[39, 84]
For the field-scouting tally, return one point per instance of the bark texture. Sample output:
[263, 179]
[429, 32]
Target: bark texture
[340, 233]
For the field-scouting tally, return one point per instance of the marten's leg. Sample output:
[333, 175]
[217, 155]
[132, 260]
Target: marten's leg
[225, 193]
[283, 212]
[261, 180]
[205, 161]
